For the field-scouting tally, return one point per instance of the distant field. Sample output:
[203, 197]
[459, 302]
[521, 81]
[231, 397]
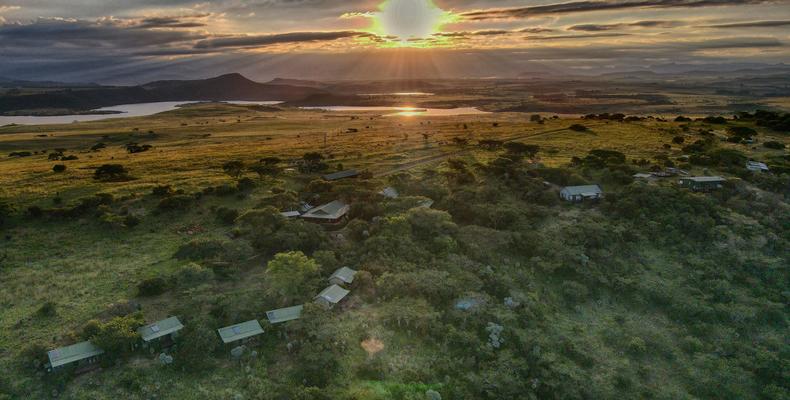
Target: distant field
[190, 145]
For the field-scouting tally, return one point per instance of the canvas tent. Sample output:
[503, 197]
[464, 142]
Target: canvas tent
[79, 353]
[284, 314]
[702, 183]
[342, 276]
[164, 329]
[331, 296]
[581, 193]
[244, 330]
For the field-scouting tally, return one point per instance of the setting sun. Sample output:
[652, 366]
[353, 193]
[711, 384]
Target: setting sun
[409, 20]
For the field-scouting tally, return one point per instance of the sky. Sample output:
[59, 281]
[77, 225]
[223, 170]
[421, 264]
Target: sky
[129, 42]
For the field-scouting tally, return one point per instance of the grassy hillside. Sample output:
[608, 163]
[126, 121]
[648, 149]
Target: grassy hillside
[499, 291]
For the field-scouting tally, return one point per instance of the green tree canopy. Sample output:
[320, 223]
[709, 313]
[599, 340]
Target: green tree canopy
[292, 275]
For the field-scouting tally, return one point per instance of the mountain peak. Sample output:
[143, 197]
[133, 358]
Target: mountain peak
[232, 77]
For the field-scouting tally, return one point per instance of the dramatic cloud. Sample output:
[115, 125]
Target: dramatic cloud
[589, 6]
[637, 24]
[268, 40]
[77, 40]
[566, 37]
[174, 22]
[751, 24]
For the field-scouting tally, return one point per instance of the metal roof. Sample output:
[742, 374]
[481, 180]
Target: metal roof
[345, 274]
[160, 328]
[240, 331]
[75, 352]
[341, 175]
[333, 210]
[582, 190]
[284, 314]
[333, 294]
[427, 203]
[290, 214]
[705, 179]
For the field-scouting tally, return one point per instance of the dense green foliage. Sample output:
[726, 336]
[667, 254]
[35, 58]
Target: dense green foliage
[499, 290]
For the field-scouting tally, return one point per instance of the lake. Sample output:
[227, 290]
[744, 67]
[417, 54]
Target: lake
[406, 111]
[126, 111]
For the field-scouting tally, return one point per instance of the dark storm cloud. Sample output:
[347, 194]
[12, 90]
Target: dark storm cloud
[267, 40]
[589, 6]
[751, 24]
[637, 24]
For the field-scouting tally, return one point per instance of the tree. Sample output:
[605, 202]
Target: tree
[111, 172]
[313, 161]
[578, 128]
[292, 275]
[264, 169]
[118, 335]
[234, 168]
[518, 150]
[58, 168]
[196, 342]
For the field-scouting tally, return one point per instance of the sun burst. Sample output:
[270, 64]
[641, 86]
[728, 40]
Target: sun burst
[410, 23]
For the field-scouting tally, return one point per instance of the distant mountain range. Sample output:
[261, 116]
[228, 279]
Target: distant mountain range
[222, 88]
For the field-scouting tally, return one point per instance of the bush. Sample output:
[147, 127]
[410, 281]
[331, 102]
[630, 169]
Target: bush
[152, 287]
[162, 190]
[58, 168]
[574, 292]
[227, 215]
[177, 202]
[292, 275]
[131, 221]
[192, 274]
[715, 120]
[118, 335]
[48, 309]
[214, 250]
[35, 212]
[196, 342]
[774, 145]
[578, 128]
[245, 185]
[111, 173]
[34, 356]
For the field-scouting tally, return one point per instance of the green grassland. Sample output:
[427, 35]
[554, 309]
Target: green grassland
[655, 292]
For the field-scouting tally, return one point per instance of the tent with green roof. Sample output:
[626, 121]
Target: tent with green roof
[284, 314]
[75, 353]
[244, 330]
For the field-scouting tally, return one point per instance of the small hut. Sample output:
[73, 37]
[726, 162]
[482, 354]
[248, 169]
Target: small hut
[343, 276]
[161, 333]
[82, 355]
[284, 314]
[330, 296]
[240, 332]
